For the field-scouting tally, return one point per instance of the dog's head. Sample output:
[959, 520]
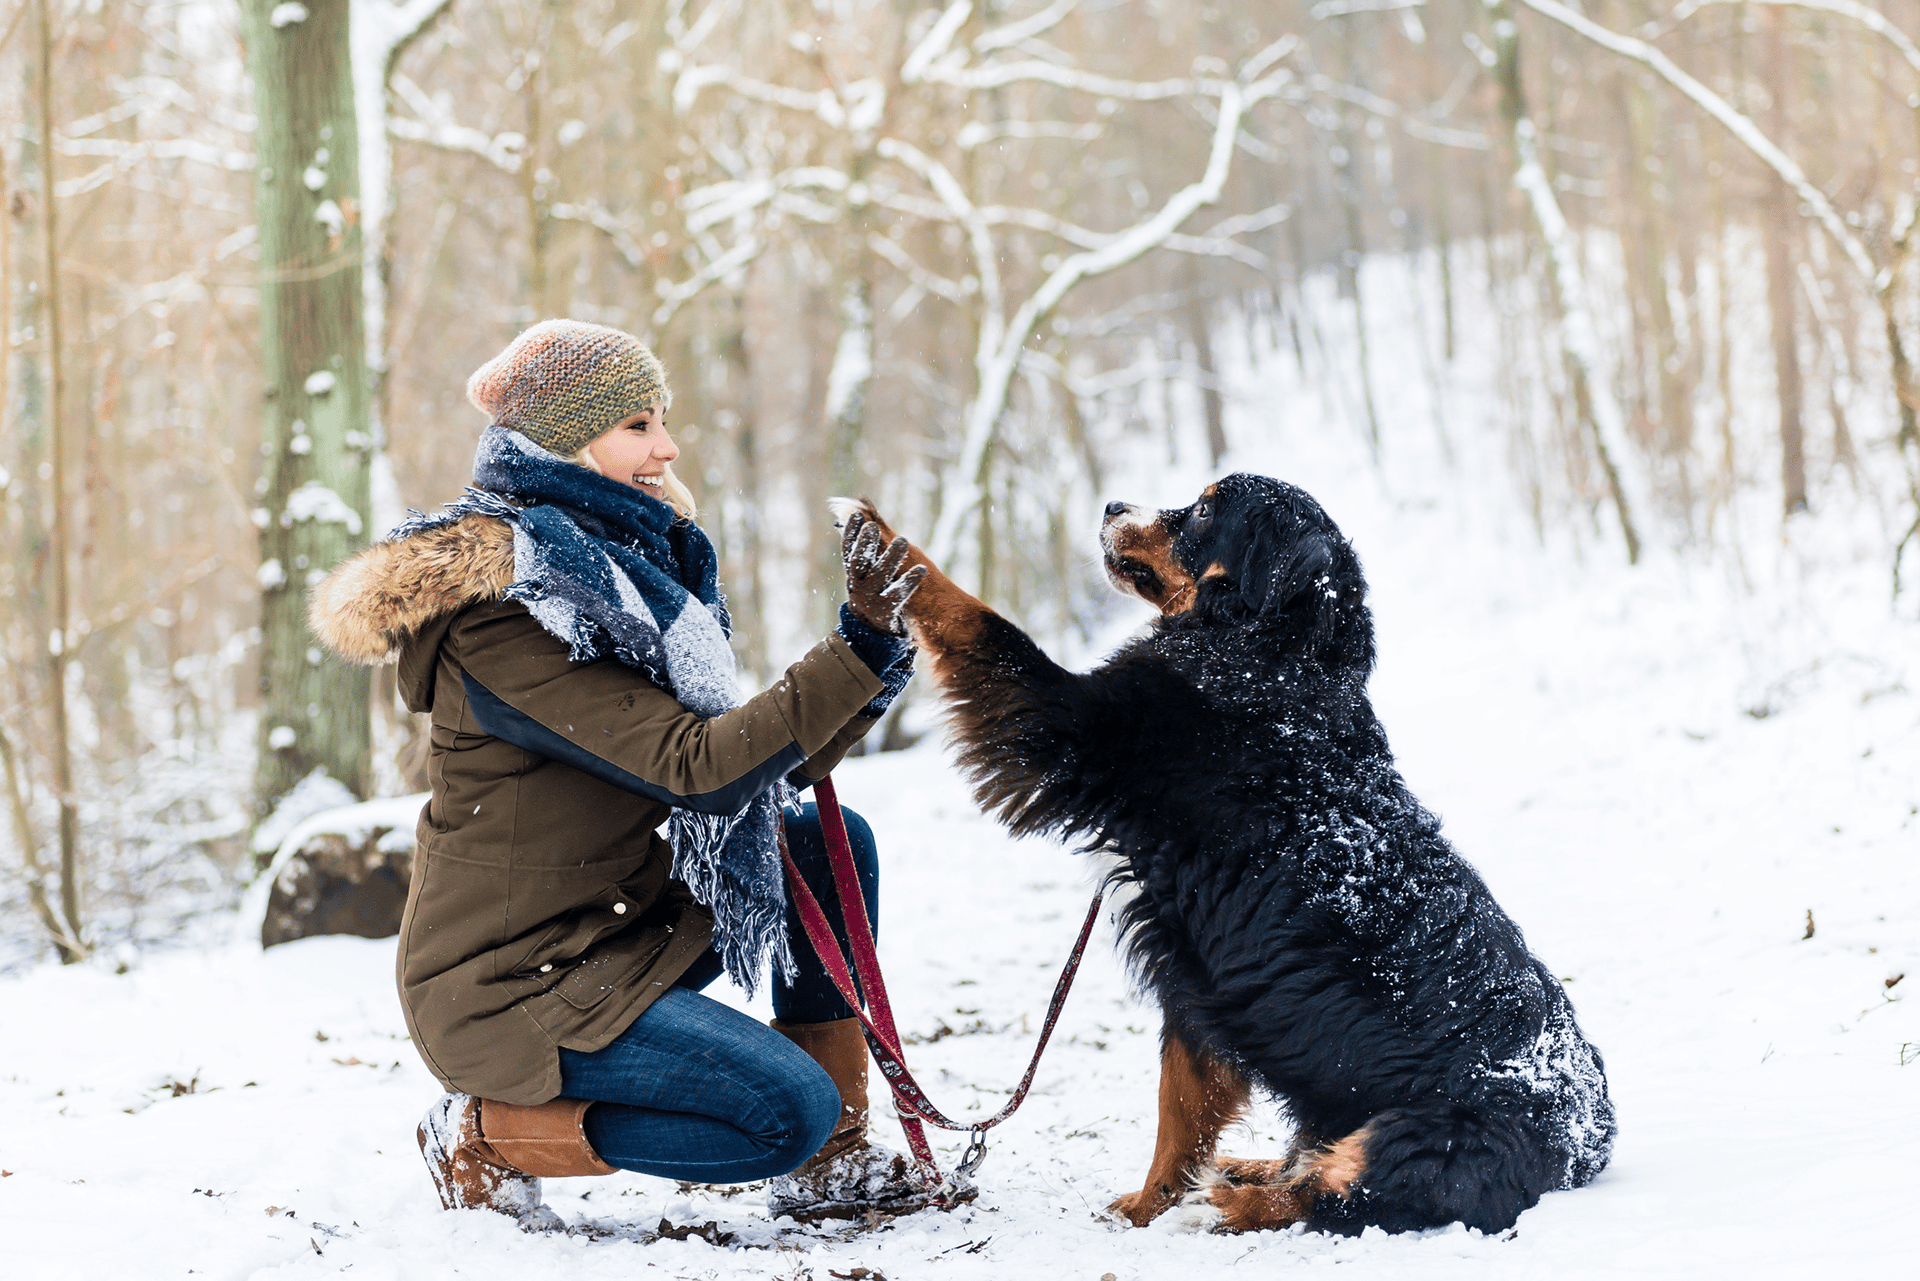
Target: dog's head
[1249, 550]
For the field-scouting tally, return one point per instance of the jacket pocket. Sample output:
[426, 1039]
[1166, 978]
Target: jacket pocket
[600, 976]
[573, 934]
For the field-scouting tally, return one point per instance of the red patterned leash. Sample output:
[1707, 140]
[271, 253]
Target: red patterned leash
[883, 1037]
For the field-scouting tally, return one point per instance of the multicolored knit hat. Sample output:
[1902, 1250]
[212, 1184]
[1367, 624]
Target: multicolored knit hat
[564, 383]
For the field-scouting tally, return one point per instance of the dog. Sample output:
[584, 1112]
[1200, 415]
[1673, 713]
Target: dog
[1296, 913]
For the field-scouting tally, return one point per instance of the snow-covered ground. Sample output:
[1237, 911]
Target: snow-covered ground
[1660, 771]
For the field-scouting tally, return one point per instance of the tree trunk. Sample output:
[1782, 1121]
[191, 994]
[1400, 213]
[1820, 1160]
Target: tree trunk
[61, 643]
[1347, 183]
[1579, 341]
[313, 715]
[1777, 232]
[845, 414]
[1202, 335]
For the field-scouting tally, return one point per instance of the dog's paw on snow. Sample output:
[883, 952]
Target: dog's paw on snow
[1196, 1211]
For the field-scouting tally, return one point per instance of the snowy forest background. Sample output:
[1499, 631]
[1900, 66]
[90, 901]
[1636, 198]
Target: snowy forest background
[972, 261]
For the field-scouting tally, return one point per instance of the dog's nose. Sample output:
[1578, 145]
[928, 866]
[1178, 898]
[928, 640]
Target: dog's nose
[1116, 508]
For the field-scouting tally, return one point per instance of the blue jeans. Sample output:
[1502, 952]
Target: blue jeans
[696, 1090]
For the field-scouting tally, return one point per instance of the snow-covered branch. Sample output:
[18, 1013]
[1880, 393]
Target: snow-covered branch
[686, 39]
[433, 127]
[936, 42]
[721, 201]
[975, 132]
[1872, 19]
[1213, 243]
[1130, 375]
[596, 215]
[1340, 8]
[1418, 124]
[856, 106]
[921, 278]
[126, 155]
[673, 296]
[1736, 123]
[1025, 29]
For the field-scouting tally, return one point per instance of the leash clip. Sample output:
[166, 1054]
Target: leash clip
[975, 1154]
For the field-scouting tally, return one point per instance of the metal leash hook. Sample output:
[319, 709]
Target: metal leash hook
[976, 1153]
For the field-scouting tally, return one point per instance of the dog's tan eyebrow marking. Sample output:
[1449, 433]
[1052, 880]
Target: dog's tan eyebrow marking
[1210, 490]
[1215, 570]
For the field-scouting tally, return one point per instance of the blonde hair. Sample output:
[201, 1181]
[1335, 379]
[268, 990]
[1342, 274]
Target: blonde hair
[679, 497]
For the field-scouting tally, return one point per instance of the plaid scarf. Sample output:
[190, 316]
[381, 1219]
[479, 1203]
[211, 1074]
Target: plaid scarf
[616, 574]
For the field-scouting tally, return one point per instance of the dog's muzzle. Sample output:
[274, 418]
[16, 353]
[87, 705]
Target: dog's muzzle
[1118, 516]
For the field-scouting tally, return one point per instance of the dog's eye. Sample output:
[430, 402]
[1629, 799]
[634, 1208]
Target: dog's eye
[1201, 511]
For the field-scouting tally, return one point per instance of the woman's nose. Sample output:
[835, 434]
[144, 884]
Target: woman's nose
[1116, 508]
[666, 451]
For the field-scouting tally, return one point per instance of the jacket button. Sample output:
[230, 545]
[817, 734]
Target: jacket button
[619, 907]
[546, 967]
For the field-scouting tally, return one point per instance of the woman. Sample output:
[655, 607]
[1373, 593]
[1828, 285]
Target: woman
[562, 624]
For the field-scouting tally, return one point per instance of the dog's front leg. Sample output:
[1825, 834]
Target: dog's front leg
[1199, 1097]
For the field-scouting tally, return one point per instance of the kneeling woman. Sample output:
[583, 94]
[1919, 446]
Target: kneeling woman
[563, 625]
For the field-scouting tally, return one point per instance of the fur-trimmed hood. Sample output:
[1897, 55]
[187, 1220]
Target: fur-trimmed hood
[377, 600]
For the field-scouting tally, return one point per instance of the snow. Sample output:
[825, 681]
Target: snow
[1660, 771]
[317, 793]
[285, 15]
[319, 383]
[314, 501]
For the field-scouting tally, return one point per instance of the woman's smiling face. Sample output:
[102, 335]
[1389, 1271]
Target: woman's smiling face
[637, 452]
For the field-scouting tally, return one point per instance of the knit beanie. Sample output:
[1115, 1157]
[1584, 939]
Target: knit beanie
[564, 383]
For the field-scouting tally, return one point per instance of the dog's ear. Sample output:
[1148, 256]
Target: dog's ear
[1301, 579]
[1319, 592]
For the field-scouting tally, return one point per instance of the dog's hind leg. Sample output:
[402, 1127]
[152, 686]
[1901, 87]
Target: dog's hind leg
[1257, 1196]
[1199, 1097]
[1430, 1165]
[1405, 1169]
[1243, 1171]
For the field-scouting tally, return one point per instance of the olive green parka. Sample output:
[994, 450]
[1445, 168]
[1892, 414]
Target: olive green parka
[541, 913]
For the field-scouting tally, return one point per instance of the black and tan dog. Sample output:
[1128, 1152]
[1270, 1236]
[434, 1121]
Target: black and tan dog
[1297, 914]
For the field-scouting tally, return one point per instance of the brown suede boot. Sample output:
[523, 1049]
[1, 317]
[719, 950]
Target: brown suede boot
[849, 1177]
[488, 1155]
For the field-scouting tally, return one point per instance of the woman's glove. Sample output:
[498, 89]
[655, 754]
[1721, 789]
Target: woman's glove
[878, 582]
[888, 656]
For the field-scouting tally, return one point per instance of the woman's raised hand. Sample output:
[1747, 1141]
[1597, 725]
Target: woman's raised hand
[879, 580]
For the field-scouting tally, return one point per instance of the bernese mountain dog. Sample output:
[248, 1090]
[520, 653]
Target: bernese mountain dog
[1295, 911]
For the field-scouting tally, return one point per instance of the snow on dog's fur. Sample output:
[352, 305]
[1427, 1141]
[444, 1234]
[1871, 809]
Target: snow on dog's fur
[1298, 916]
